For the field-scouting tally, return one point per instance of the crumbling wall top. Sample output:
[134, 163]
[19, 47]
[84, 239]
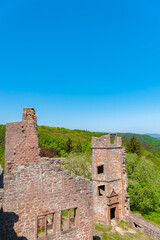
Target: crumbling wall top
[21, 143]
[29, 115]
[107, 141]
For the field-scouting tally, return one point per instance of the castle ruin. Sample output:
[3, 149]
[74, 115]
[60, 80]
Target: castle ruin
[41, 201]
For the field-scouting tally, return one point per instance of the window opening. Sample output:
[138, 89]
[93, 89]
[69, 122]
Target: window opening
[41, 226]
[112, 213]
[101, 190]
[45, 225]
[50, 221]
[100, 169]
[68, 218]
[112, 138]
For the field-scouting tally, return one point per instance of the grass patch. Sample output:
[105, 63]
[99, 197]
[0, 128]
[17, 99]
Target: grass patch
[123, 225]
[101, 228]
[110, 233]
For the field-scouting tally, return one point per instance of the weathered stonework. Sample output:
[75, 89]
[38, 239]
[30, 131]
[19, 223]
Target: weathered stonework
[139, 223]
[21, 141]
[110, 198]
[1, 177]
[35, 187]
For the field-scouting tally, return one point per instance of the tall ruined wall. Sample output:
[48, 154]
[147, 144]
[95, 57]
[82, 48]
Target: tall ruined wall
[110, 199]
[36, 188]
[21, 144]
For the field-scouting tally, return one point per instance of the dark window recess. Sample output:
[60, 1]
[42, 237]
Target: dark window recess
[100, 169]
[101, 190]
[136, 225]
[68, 218]
[112, 213]
[112, 138]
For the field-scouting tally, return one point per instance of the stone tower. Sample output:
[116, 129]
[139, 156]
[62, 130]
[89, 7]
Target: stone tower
[110, 199]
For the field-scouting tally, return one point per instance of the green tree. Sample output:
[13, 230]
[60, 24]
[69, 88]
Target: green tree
[133, 145]
[77, 148]
[87, 147]
[144, 184]
[68, 146]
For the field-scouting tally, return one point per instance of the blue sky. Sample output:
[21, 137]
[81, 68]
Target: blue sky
[85, 64]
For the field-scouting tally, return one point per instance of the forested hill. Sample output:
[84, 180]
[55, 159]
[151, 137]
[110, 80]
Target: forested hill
[79, 140]
[83, 137]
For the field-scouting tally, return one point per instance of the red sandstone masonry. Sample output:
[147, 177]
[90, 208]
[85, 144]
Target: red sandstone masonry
[22, 141]
[114, 178]
[37, 189]
[35, 186]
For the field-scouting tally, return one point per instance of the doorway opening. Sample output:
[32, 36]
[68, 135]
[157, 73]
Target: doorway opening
[113, 213]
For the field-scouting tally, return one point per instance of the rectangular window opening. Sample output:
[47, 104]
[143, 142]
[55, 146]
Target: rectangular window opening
[41, 226]
[112, 138]
[101, 190]
[45, 225]
[50, 223]
[68, 218]
[100, 169]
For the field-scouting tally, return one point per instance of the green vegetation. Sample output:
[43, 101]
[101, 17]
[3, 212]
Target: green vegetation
[148, 143]
[78, 164]
[66, 140]
[133, 145]
[144, 186]
[112, 233]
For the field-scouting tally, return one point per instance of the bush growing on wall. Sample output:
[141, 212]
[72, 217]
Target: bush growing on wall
[78, 164]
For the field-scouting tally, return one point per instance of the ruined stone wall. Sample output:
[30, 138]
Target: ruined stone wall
[148, 228]
[21, 141]
[114, 179]
[37, 187]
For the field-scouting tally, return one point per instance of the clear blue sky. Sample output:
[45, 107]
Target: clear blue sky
[82, 64]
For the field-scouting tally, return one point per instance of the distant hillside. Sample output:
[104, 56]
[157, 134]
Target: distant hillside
[84, 135]
[55, 137]
[148, 143]
[155, 135]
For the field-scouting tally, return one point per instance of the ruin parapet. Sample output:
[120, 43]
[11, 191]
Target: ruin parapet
[107, 141]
